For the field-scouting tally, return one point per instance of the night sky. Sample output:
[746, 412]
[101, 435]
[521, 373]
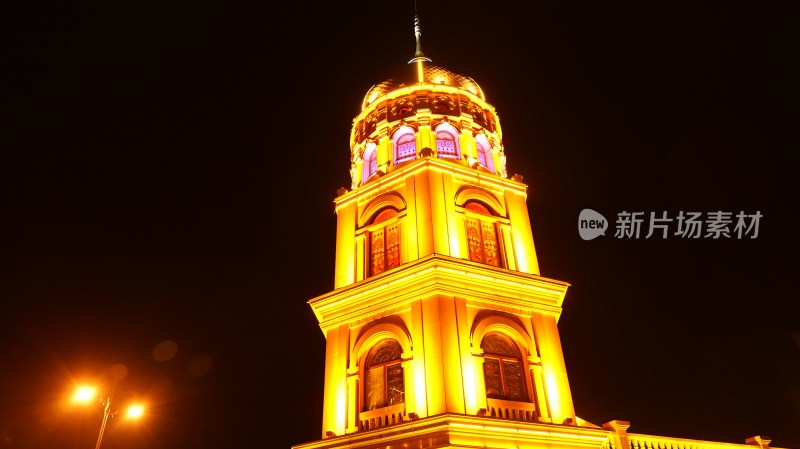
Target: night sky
[169, 170]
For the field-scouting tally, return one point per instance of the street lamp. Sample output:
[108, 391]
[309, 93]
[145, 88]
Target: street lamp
[86, 394]
[135, 411]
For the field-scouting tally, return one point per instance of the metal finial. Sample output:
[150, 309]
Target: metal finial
[419, 57]
[417, 35]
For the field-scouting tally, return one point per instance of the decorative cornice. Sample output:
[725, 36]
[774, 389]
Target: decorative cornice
[396, 177]
[491, 287]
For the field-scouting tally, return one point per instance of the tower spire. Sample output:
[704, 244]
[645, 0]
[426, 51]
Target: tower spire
[417, 35]
[419, 57]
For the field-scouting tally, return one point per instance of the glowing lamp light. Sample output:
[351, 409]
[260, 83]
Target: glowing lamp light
[135, 411]
[84, 394]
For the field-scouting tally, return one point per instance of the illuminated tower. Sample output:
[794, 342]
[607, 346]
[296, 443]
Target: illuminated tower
[440, 331]
[439, 314]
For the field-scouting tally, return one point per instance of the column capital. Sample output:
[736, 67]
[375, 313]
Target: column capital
[620, 435]
[617, 425]
[759, 441]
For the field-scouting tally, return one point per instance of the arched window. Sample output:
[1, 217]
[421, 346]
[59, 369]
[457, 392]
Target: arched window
[405, 145]
[484, 152]
[502, 368]
[384, 244]
[482, 243]
[447, 141]
[369, 162]
[383, 383]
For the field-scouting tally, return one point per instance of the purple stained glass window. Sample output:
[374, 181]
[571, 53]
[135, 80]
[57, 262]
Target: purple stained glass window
[481, 156]
[406, 148]
[370, 163]
[484, 152]
[446, 145]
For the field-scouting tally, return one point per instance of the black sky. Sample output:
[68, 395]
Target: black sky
[168, 172]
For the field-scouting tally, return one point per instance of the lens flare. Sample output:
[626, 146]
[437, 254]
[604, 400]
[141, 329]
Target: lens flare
[84, 394]
[135, 411]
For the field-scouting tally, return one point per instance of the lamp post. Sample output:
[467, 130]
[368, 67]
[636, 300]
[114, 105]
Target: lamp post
[106, 414]
[85, 394]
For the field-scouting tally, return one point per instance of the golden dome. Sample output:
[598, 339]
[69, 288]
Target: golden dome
[434, 75]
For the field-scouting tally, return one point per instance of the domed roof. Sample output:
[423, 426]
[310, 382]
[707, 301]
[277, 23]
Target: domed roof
[434, 75]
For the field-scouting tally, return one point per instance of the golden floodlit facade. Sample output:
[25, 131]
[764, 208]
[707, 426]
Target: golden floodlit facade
[441, 332]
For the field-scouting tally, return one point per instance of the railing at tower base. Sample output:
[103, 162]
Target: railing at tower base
[382, 417]
[504, 409]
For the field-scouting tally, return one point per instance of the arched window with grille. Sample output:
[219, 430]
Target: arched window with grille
[482, 244]
[384, 243]
[405, 145]
[502, 368]
[447, 141]
[484, 152]
[369, 162]
[383, 383]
